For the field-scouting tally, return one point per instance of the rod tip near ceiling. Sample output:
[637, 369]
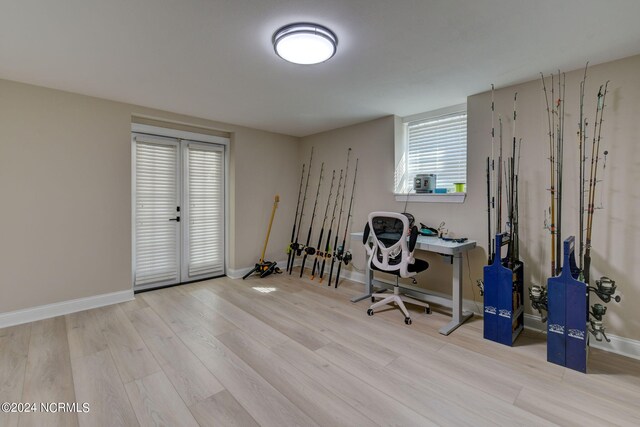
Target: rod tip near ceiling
[305, 43]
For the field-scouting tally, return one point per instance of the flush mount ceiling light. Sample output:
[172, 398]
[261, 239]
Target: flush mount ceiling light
[304, 43]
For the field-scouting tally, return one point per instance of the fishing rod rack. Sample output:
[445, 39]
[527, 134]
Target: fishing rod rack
[568, 302]
[331, 254]
[503, 296]
[503, 279]
[571, 321]
[564, 303]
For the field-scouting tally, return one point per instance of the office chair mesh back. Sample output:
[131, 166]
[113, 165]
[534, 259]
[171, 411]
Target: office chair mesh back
[390, 251]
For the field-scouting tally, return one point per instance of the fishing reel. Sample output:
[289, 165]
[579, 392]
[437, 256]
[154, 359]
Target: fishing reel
[597, 329]
[605, 289]
[539, 298]
[480, 284]
[297, 248]
[310, 251]
[598, 311]
[343, 256]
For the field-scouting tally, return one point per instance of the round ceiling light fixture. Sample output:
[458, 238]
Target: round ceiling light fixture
[304, 43]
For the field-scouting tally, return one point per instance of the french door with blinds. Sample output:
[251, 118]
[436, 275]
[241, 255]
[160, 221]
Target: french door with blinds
[178, 212]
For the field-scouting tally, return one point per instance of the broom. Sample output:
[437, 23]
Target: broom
[264, 268]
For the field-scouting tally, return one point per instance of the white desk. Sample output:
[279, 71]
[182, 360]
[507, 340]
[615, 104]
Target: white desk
[431, 244]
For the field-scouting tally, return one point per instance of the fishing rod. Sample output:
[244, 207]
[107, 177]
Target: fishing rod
[313, 251]
[559, 164]
[499, 183]
[584, 191]
[512, 189]
[595, 153]
[587, 254]
[554, 167]
[516, 237]
[517, 211]
[581, 143]
[335, 242]
[327, 247]
[507, 182]
[295, 247]
[552, 213]
[491, 172]
[295, 220]
[313, 217]
[489, 240]
[510, 199]
[342, 254]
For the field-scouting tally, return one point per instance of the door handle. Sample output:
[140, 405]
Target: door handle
[177, 219]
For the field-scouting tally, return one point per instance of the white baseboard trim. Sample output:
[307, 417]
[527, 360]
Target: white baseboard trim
[240, 272]
[533, 322]
[618, 345]
[47, 311]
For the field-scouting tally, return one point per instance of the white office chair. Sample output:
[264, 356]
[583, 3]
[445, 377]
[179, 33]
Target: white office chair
[390, 252]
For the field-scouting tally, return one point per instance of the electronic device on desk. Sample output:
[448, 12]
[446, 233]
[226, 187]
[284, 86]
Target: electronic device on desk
[425, 183]
[427, 231]
[454, 239]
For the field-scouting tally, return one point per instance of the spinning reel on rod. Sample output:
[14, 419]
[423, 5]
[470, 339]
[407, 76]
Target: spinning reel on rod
[598, 311]
[538, 297]
[347, 257]
[597, 329]
[605, 289]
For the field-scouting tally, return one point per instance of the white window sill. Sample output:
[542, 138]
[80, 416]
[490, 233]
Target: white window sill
[431, 198]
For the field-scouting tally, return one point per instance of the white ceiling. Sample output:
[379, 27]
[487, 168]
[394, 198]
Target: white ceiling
[214, 59]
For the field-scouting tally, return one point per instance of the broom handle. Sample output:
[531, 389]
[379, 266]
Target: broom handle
[273, 213]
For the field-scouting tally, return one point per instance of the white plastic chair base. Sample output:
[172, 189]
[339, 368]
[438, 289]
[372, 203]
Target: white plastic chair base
[399, 300]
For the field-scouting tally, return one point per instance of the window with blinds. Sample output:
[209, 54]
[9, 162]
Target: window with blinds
[205, 201]
[438, 146]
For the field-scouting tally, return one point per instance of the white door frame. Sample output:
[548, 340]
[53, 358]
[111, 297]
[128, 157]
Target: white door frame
[189, 137]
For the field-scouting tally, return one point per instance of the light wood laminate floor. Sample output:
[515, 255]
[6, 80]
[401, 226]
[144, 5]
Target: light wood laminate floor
[294, 352]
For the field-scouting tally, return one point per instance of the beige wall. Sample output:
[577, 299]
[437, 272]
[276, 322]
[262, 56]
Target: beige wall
[616, 237]
[372, 143]
[65, 190]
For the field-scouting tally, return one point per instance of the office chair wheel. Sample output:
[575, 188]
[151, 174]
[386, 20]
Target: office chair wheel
[370, 312]
[427, 310]
[407, 320]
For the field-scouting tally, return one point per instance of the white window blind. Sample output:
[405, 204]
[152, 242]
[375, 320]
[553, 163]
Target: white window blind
[156, 199]
[438, 146]
[205, 199]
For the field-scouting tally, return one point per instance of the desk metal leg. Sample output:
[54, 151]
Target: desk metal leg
[368, 287]
[458, 316]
